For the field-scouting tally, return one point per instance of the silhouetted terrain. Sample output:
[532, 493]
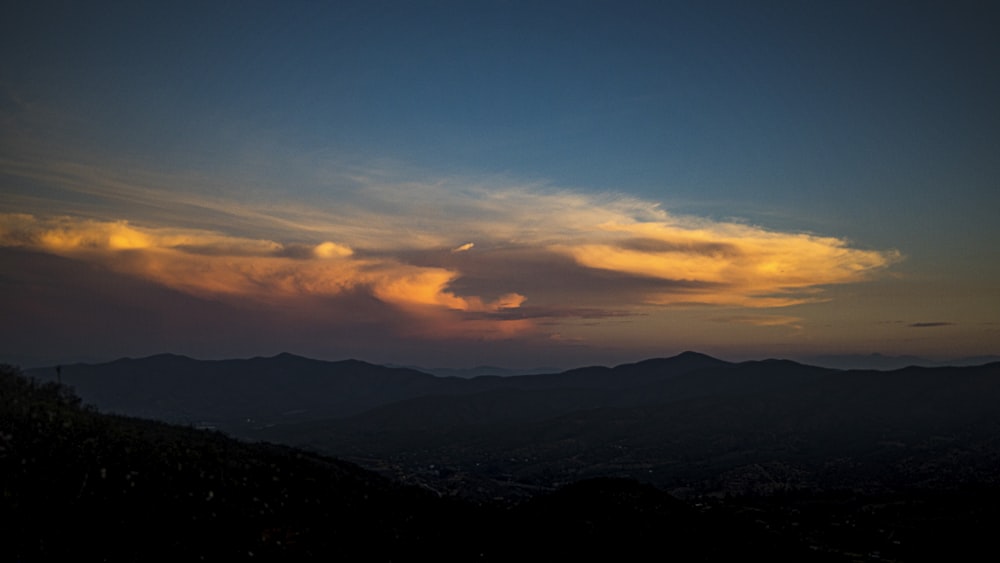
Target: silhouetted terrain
[855, 464]
[77, 483]
[883, 362]
[228, 392]
[691, 423]
[241, 395]
[756, 427]
[82, 485]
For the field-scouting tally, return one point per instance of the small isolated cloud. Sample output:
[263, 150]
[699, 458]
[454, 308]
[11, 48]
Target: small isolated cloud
[463, 247]
[332, 250]
[930, 324]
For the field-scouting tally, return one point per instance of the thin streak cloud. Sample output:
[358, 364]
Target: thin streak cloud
[763, 320]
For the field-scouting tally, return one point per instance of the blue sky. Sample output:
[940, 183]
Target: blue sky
[599, 157]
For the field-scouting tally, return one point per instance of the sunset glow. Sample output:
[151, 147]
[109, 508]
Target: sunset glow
[454, 185]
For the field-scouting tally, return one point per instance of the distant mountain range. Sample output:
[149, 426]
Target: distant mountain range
[478, 371]
[836, 361]
[83, 485]
[237, 395]
[240, 394]
[883, 362]
[689, 422]
[800, 462]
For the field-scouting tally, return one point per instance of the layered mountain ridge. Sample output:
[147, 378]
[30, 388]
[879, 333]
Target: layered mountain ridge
[684, 422]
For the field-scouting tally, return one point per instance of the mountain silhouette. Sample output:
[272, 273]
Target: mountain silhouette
[238, 395]
[901, 462]
[78, 484]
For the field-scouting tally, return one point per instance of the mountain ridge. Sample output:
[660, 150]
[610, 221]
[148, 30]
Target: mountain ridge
[262, 391]
[81, 484]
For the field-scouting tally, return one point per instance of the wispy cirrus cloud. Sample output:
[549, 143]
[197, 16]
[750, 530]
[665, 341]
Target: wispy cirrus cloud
[763, 320]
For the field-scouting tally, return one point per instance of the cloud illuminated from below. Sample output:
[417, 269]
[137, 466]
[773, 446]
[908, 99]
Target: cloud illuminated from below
[212, 265]
[566, 254]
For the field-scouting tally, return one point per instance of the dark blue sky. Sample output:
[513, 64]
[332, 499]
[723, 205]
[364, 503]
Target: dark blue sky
[870, 125]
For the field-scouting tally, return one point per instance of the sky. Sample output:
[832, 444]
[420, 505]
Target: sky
[499, 182]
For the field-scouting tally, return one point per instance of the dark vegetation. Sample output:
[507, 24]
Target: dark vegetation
[82, 485]
[689, 456]
[76, 482]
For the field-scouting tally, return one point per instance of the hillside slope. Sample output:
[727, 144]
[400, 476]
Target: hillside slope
[82, 485]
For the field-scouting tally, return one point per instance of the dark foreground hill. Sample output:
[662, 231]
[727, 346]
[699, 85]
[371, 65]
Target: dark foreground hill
[76, 482]
[86, 486]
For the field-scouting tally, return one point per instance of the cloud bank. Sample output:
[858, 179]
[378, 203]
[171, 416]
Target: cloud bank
[213, 265]
[555, 239]
[541, 256]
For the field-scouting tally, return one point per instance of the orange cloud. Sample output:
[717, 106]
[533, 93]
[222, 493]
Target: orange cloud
[531, 243]
[727, 263]
[332, 250]
[212, 265]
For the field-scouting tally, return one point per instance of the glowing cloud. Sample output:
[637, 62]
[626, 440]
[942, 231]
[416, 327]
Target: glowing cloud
[212, 265]
[534, 244]
[332, 250]
[732, 264]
